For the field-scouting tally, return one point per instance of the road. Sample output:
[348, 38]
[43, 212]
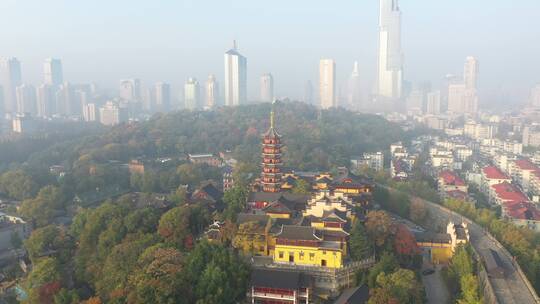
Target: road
[436, 290]
[513, 288]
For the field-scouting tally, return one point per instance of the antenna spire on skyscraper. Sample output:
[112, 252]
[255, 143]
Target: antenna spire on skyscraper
[234, 45]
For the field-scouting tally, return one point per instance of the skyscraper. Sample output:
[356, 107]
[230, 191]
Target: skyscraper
[390, 67]
[212, 92]
[327, 83]
[235, 77]
[130, 90]
[470, 72]
[10, 79]
[112, 114]
[46, 100]
[354, 96]
[26, 99]
[433, 103]
[192, 94]
[463, 96]
[52, 71]
[534, 97]
[267, 88]
[162, 97]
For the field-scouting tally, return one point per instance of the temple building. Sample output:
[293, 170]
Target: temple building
[271, 156]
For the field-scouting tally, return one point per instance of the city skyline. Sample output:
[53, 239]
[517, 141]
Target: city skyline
[174, 64]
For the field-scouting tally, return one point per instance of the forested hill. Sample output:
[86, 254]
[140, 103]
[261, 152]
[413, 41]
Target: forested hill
[314, 139]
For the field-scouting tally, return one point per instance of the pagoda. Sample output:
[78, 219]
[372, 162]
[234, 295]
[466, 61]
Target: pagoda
[271, 158]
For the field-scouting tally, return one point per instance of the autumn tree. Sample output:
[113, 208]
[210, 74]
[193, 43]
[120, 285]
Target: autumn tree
[249, 237]
[405, 244]
[417, 211]
[378, 227]
[400, 286]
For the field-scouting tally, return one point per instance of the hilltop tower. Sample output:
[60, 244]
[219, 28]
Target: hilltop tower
[271, 158]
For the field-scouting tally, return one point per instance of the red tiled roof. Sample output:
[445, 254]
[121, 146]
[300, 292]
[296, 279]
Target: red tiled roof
[525, 164]
[493, 172]
[522, 210]
[451, 178]
[508, 192]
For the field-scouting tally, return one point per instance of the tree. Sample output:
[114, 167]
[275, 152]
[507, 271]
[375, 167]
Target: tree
[48, 203]
[235, 201]
[174, 226]
[405, 244]
[386, 264]
[159, 278]
[378, 227]
[469, 290]
[302, 187]
[400, 286]
[18, 185]
[360, 246]
[417, 211]
[44, 279]
[249, 237]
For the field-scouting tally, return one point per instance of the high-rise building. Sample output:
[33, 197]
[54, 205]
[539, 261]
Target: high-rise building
[308, 92]
[463, 96]
[327, 83]
[390, 67]
[64, 99]
[354, 89]
[46, 100]
[470, 72]
[271, 156]
[212, 92]
[90, 112]
[192, 94]
[10, 79]
[163, 97]
[415, 102]
[433, 103]
[130, 90]
[267, 88]
[112, 114]
[26, 99]
[52, 71]
[534, 97]
[235, 77]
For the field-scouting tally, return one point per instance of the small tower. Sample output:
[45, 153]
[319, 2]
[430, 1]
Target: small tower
[271, 158]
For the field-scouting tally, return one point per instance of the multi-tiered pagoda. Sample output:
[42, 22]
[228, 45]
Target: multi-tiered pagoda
[271, 156]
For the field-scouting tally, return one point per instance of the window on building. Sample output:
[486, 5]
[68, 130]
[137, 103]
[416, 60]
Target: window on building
[280, 254]
[301, 255]
[311, 256]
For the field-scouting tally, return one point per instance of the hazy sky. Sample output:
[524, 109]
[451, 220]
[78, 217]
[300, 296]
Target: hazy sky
[104, 41]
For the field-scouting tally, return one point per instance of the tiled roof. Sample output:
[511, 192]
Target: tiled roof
[280, 279]
[303, 233]
[522, 210]
[451, 178]
[508, 192]
[525, 164]
[493, 172]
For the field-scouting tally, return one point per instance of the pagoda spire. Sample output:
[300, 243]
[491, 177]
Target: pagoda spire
[271, 158]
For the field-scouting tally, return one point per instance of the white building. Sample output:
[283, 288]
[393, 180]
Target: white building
[327, 83]
[433, 103]
[52, 72]
[192, 94]
[26, 99]
[235, 77]
[10, 79]
[355, 98]
[212, 92]
[390, 66]
[534, 97]
[130, 90]
[23, 123]
[373, 161]
[90, 112]
[112, 114]
[267, 88]
[46, 100]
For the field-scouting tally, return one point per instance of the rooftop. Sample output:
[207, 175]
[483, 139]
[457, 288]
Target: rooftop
[508, 192]
[451, 178]
[303, 233]
[492, 172]
[525, 164]
[280, 279]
